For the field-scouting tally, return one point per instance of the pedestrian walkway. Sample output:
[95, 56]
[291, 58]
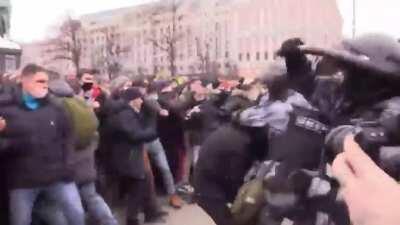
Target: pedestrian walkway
[188, 215]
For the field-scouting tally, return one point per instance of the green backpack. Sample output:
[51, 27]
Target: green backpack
[248, 203]
[84, 121]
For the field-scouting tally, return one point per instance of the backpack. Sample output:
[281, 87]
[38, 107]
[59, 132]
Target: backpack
[84, 121]
[248, 203]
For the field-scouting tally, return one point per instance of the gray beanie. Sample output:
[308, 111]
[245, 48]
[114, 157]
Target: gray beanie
[117, 83]
[61, 88]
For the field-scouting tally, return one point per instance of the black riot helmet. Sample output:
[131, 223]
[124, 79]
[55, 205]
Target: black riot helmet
[381, 51]
[370, 65]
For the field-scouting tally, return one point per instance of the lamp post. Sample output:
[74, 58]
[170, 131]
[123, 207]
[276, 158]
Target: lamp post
[354, 18]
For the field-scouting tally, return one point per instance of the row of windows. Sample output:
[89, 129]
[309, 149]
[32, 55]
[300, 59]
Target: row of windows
[257, 56]
[192, 68]
[101, 38]
[161, 59]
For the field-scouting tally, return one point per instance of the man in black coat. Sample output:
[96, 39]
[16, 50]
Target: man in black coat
[127, 131]
[226, 156]
[81, 161]
[38, 139]
[155, 148]
[171, 128]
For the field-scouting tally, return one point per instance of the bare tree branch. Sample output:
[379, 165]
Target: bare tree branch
[66, 45]
[167, 42]
[62, 57]
[157, 44]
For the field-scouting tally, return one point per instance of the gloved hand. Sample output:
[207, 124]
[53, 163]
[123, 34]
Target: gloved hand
[290, 47]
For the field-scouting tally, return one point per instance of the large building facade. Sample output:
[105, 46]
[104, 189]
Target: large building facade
[225, 36]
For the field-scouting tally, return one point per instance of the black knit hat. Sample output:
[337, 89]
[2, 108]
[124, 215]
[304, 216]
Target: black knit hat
[131, 94]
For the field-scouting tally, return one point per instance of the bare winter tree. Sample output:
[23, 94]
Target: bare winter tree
[204, 56]
[167, 41]
[112, 55]
[66, 45]
[108, 57]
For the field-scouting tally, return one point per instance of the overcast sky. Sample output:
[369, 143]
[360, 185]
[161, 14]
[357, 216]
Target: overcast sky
[31, 18]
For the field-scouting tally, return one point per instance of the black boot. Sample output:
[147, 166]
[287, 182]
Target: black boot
[132, 222]
[156, 217]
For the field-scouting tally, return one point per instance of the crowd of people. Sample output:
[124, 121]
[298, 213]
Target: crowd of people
[66, 141]
[247, 151]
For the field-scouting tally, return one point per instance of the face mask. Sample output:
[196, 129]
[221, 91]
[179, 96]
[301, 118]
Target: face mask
[38, 94]
[154, 96]
[87, 86]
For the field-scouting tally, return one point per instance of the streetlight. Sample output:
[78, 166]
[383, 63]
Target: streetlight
[354, 18]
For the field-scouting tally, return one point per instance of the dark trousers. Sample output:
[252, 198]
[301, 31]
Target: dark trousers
[212, 198]
[216, 209]
[141, 197]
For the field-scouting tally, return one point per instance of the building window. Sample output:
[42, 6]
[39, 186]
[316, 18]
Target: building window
[258, 56]
[226, 54]
[266, 55]
[240, 56]
[248, 57]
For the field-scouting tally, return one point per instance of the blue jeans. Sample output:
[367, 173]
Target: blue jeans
[157, 154]
[97, 208]
[66, 195]
[192, 155]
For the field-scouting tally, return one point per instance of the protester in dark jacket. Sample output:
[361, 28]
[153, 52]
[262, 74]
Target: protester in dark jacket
[171, 128]
[155, 149]
[38, 163]
[127, 131]
[81, 161]
[5, 89]
[225, 158]
[201, 121]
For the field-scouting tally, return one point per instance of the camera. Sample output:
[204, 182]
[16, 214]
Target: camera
[379, 139]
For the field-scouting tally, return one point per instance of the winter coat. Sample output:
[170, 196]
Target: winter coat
[171, 128]
[124, 133]
[204, 122]
[151, 109]
[224, 160]
[84, 123]
[82, 161]
[40, 141]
